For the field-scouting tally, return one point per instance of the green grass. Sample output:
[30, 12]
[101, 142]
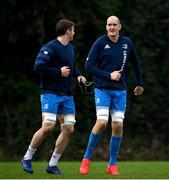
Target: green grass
[70, 170]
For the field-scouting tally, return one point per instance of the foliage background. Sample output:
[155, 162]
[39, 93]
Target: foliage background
[26, 25]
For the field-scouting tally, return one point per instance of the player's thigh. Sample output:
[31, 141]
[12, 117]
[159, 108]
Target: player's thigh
[118, 105]
[49, 106]
[66, 111]
[102, 102]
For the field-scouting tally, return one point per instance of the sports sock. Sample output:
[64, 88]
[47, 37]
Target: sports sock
[115, 143]
[54, 159]
[94, 141]
[29, 153]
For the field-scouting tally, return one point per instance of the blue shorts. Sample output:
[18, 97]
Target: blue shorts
[113, 101]
[54, 106]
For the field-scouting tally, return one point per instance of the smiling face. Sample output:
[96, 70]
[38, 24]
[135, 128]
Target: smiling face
[113, 27]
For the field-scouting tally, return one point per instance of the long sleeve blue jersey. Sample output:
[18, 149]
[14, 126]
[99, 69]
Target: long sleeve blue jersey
[106, 56]
[51, 58]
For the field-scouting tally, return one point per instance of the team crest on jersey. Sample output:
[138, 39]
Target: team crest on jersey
[125, 46]
[45, 52]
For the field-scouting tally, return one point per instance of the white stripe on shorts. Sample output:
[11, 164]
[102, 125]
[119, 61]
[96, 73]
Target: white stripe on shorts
[117, 115]
[49, 117]
[69, 119]
[103, 114]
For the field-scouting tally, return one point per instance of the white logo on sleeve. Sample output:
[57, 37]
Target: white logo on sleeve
[87, 58]
[107, 46]
[45, 52]
[125, 46]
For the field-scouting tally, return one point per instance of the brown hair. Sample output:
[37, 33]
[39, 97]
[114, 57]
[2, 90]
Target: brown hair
[62, 26]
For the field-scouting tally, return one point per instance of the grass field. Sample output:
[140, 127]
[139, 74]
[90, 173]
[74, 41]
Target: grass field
[70, 170]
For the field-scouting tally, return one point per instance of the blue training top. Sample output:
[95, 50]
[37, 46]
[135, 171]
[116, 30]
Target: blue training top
[106, 56]
[51, 58]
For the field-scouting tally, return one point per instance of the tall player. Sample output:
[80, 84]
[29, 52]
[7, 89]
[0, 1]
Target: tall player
[107, 62]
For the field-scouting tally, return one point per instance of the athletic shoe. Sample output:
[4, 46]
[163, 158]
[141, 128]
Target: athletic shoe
[53, 170]
[84, 167]
[27, 166]
[113, 169]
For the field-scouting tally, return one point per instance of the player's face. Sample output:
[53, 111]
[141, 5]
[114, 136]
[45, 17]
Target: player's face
[113, 26]
[71, 33]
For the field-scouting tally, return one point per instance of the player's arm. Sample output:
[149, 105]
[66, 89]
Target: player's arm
[76, 71]
[78, 75]
[115, 75]
[91, 62]
[138, 90]
[137, 70]
[41, 65]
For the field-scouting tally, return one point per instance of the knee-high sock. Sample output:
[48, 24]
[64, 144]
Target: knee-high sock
[93, 142]
[115, 143]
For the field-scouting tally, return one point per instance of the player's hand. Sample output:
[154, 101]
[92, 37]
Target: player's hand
[65, 71]
[138, 90]
[115, 75]
[81, 78]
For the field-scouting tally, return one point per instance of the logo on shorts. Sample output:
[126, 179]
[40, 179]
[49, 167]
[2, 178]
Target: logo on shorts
[45, 106]
[97, 100]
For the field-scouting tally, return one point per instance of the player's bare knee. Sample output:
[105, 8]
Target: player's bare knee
[102, 124]
[117, 121]
[117, 128]
[51, 128]
[47, 129]
[68, 130]
[99, 126]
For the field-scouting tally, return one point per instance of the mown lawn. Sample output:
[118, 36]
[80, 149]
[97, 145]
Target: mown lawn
[70, 170]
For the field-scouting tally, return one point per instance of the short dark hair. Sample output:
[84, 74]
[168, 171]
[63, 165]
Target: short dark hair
[62, 26]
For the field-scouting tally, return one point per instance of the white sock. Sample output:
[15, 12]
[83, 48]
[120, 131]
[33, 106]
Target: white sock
[54, 159]
[29, 153]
